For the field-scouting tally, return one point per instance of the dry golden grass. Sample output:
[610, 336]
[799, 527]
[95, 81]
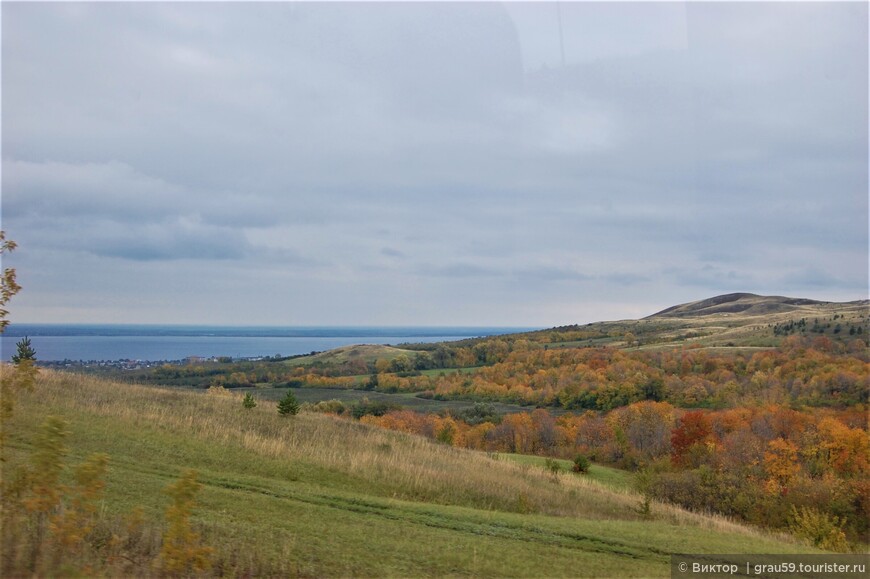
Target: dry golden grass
[409, 466]
[402, 465]
[752, 327]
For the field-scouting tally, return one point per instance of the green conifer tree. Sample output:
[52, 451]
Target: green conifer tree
[25, 351]
[249, 401]
[288, 405]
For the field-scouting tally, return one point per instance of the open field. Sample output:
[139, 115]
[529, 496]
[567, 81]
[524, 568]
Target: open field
[312, 495]
[605, 475]
[408, 400]
[361, 353]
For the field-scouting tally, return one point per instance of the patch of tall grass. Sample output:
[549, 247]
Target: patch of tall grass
[402, 466]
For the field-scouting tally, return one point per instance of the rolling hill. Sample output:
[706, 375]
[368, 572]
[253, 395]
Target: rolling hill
[364, 353]
[742, 320]
[753, 305]
[314, 495]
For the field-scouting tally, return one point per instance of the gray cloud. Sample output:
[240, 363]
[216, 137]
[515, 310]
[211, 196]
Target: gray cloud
[98, 190]
[712, 277]
[460, 270]
[404, 150]
[628, 279]
[821, 278]
[391, 252]
[180, 239]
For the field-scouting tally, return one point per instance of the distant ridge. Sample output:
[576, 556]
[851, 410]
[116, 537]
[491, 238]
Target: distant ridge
[740, 303]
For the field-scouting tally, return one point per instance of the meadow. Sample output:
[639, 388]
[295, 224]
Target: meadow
[349, 397]
[316, 495]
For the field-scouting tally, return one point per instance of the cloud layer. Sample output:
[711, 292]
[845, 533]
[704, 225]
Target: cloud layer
[430, 163]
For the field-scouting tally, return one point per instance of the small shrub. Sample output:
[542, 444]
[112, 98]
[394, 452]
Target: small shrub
[43, 480]
[22, 378]
[133, 542]
[182, 554]
[365, 408]
[818, 529]
[581, 464]
[552, 466]
[446, 434]
[524, 505]
[218, 390]
[643, 484]
[72, 525]
[288, 405]
[328, 407]
[249, 402]
[478, 414]
[47, 465]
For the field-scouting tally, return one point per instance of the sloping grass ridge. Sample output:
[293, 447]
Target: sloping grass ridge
[313, 495]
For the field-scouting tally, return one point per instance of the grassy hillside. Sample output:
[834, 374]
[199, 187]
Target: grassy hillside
[362, 353]
[611, 477]
[742, 320]
[313, 495]
[408, 400]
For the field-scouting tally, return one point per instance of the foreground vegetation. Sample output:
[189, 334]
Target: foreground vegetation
[306, 495]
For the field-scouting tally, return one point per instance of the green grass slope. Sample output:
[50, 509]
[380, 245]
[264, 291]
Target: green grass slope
[313, 495]
[367, 353]
[605, 475]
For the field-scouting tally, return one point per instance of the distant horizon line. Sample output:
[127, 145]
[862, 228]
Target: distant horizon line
[203, 325]
[523, 327]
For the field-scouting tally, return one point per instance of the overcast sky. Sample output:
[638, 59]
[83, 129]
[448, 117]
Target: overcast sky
[411, 164]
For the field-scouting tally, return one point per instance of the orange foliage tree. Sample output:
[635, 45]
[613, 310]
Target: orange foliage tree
[693, 430]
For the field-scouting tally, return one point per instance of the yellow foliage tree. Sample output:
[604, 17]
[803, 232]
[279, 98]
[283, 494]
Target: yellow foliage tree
[43, 480]
[846, 450]
[8, 286]
[818, 528]
[72, 525]
[781, 465]
[182, 552]
[23, 376]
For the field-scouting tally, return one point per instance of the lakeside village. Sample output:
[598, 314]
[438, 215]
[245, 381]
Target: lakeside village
[130, 365]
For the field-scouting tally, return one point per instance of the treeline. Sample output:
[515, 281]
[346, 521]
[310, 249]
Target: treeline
[806, 472]
[802, 372]
[823, 326]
